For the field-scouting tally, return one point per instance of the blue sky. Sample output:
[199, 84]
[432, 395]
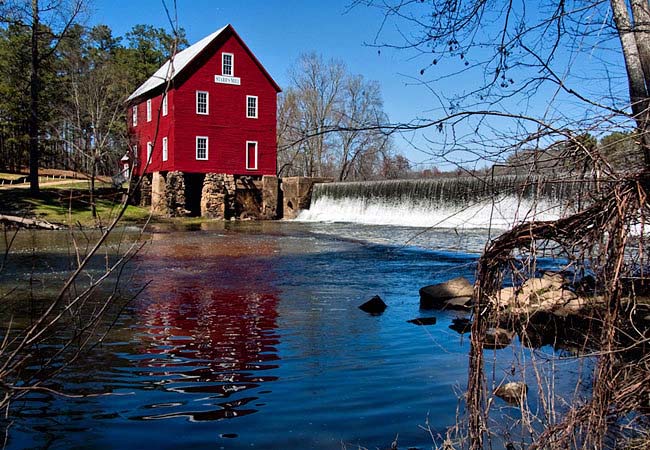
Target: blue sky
[279, 31]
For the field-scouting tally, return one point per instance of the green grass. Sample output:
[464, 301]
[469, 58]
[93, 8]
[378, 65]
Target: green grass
[67, 206]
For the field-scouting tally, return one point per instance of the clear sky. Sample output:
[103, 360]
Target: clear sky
[279, 31]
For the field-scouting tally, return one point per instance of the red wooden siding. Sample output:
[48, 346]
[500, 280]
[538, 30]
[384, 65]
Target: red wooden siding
[226, 126]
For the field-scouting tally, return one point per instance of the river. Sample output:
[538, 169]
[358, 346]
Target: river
[249, 335]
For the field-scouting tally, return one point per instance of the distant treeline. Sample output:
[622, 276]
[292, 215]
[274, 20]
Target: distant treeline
[84, 81]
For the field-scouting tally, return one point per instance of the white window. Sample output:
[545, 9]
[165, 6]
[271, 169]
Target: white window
[251, 155]
[201, 147]
[149, 110]
[135, 115]
[136, 157]
[164, 104]
[251, 106]
[202, 106]
[149, 151]
[164, 149]
[227, 64]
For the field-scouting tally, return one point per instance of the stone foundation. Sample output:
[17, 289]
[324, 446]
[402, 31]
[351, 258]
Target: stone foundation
[175, 201]
[270, 197]
[296, 192]
[217, 196]
[158, 200]
[224, 196]
[144, 194]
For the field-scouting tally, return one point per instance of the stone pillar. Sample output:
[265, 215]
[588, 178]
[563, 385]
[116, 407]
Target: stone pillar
[158, 200]
[296, 192]
[175, 194]
[270, 196]
[145, 191]
[213, 196]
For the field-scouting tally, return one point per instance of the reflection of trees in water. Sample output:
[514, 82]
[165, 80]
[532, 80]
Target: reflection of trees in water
[208, 326]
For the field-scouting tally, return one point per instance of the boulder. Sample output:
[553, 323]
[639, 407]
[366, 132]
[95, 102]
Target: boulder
[457, 303]
[423, 321]
[497, 338]
[433, 296]
[513, 392]
[374, 306]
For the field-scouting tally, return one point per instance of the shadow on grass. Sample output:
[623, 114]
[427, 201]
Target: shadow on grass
[67, 205]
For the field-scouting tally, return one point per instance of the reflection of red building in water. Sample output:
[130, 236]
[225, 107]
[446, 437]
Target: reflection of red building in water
[207, 332]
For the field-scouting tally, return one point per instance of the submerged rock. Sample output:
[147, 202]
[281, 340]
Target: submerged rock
[498, 338]
[513, 392]
[461, 325]
[423, 321]
[457, 303]
[434, 296]
[374, 306]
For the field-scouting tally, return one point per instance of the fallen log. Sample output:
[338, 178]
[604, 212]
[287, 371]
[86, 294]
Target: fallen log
[24, 222]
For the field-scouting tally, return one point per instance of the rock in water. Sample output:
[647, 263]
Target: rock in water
[513, 392]
[497, 338]
[423, 321]
[374, 306]
[434, 296]
[461, 325]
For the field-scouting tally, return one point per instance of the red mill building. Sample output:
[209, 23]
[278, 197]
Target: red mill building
[203, 131]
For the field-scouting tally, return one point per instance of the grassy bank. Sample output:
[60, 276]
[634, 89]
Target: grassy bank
[68, 204]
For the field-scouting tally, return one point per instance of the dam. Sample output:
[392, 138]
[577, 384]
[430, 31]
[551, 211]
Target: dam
[448, 202]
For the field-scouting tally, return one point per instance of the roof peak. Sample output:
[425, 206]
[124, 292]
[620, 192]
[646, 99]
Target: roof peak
[176, 64]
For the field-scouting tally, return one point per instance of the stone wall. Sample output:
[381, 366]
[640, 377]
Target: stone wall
[144, 194]
[270, 197]
[175, 200]
[296, 193]
[217, 196]
[158, 200]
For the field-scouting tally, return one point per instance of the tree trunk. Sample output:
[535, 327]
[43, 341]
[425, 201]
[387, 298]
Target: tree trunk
[33, 104]
[634, 66]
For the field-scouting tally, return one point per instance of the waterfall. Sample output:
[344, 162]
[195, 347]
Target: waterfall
[459, 202]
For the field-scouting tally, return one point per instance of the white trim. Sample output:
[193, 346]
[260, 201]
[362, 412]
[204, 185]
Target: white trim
[207, 147]
[172, 68]
[164, 149]
[207, 103]
[248, 97]
[165, 106]
[134, 116]
[149, 152]
[248, 165]
[136, 157]
[149, 110]
[232, 64]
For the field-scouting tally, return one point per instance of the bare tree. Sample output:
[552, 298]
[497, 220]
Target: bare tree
[543, 74]
[329, 122]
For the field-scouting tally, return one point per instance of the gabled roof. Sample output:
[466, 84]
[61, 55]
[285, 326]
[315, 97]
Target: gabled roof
[175, 66]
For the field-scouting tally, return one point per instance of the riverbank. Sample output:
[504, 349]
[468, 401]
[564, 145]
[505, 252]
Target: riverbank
[69, 205]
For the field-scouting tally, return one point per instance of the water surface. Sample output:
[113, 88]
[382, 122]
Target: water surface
[249, 335]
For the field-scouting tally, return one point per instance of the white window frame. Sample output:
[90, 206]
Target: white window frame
[149, 152]
[134, 116]
[257, 156]
[249, 98]
[164, 104]
[207, 103]
[164, 149]
[207, 146]
[223, 64]
[149, 110]
[136, 157]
